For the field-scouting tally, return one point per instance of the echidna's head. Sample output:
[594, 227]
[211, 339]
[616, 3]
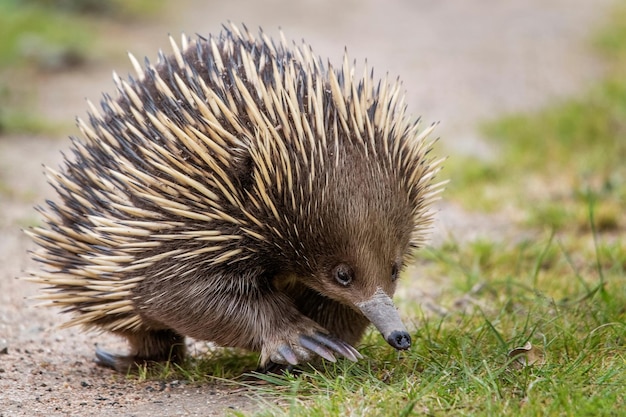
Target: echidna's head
[360, 241]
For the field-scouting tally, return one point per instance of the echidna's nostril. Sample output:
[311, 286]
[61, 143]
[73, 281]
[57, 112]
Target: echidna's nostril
[400, 340]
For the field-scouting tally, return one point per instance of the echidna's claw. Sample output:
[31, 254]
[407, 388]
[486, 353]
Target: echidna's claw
[338, 345]
[356, 353]
[120, 363]
[316, 346]
[106, 359]
[288, 354]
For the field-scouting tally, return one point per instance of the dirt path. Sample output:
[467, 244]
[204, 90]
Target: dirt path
[460, 64]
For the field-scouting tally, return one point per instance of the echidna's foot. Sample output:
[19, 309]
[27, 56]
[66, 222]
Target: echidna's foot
[127, 363]
[119, 363]
[147, 347]
[318, 343]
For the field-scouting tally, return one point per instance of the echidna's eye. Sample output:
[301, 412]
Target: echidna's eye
[395, 271]
[343, 274]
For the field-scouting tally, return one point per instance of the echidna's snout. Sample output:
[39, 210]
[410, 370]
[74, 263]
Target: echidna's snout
[399, 339]
[383, 314]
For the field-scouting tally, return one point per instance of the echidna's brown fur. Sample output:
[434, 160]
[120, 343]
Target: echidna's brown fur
[216, 196]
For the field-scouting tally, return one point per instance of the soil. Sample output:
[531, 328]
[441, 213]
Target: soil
[461, 63]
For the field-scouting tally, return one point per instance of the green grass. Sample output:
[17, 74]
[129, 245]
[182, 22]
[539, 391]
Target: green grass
[42, 35]
[222, 364]
[128, 9]
[43, 32]
[30, 33]
[559, 156]
[34, 37]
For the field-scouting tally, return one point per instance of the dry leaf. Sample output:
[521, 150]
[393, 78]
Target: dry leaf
[524, 356]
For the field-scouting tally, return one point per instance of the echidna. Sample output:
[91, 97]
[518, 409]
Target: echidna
[240, 192]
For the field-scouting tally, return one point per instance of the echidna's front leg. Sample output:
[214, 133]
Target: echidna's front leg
[291, 338]
[288, 354]
[319, 343]
[146, 346]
